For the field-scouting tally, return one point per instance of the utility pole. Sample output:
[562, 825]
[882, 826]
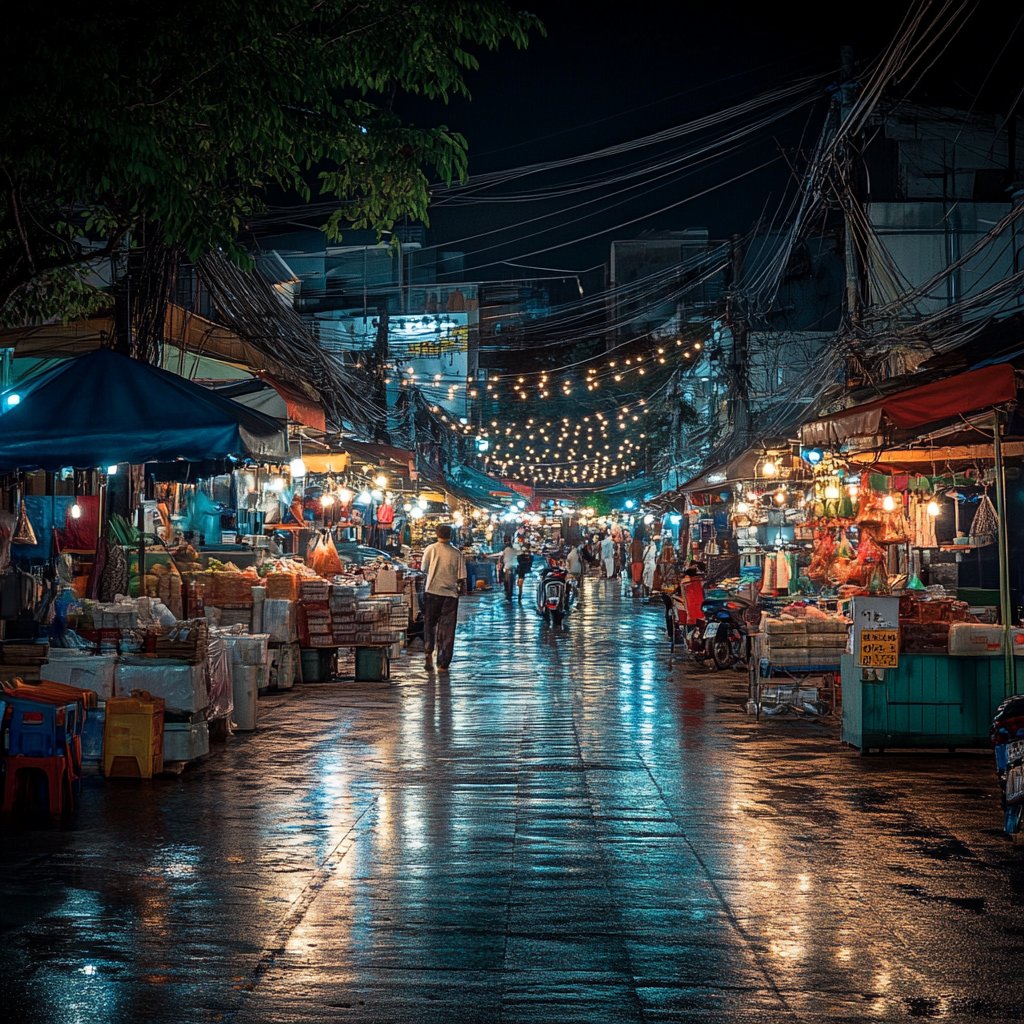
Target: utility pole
[739, 369]
[380, 371]
[850, 201]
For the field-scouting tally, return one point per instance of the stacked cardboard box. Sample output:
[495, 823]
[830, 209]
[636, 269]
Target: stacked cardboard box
[804, 643]
[22, 660]
[315, 628]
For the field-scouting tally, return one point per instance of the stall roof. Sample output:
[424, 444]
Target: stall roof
[104, 408]
[274, 398]
[941, 400]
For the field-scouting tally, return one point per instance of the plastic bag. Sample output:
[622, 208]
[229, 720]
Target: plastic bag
[985, 524]
[324, 559]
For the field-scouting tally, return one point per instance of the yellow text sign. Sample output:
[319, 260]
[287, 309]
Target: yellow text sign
[879, 648]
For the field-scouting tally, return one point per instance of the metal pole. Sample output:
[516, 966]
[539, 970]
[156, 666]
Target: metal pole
[1003, 553]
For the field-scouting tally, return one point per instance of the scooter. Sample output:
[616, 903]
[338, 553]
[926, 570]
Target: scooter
[684, 619]
[555, 592]
[1008, 744]
[727, 633]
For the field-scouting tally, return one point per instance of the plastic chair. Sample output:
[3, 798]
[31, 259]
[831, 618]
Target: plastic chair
[22, 774]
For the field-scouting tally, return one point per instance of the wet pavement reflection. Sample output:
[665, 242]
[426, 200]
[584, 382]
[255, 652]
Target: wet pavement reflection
[566, 828]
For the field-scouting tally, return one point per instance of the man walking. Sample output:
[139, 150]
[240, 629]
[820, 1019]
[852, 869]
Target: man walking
[445, 568]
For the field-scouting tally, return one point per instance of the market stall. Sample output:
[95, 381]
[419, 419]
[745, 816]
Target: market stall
[173, 637]
[911, 505]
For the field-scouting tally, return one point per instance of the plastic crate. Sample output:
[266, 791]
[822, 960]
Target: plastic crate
[133, 736]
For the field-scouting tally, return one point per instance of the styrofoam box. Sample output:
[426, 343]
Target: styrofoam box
[182, 686]
[86, 671]
[249, 649]
[279, 620]
[186, 741]
[975, 638]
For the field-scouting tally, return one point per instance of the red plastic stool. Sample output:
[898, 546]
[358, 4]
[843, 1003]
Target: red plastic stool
[18, 776]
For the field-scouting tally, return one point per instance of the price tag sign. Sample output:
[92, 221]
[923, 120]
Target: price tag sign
[879, 648]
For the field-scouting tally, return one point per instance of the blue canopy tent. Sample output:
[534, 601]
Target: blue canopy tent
[105, 408]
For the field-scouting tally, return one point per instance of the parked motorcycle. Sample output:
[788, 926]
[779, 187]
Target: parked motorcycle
[556, 591]
[1007, 737]
[684, 619]
[727, 633]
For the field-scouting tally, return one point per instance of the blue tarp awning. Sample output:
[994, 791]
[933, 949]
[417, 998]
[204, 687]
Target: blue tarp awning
[104, 408]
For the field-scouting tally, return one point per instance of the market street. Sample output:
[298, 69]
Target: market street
[563, 830]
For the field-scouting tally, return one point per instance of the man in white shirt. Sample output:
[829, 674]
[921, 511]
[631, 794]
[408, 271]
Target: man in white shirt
[445, 568]
[608, 556]
[509, 555]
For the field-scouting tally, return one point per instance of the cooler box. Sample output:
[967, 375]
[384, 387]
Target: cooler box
[186, 741]
[181, 684]
[974, 638]
[79, 668]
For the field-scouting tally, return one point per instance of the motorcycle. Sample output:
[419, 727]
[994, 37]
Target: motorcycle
[1007, 738]
[556, 592]
[684, 621]
[727, 633]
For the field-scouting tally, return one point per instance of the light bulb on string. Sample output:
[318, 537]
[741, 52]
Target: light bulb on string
[933, 508]
[888, 503]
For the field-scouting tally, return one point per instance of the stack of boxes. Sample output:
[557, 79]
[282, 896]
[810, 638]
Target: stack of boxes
[316, 631]
[805, 643]
[22, 660]
[344, 606]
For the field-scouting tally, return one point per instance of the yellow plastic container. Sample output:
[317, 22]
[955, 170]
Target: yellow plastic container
[133, 737]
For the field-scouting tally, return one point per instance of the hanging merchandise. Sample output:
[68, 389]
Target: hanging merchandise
[115, 574]
[23, 532]
[823, 558]
[895, 529]
[985, 524]
[324, 558]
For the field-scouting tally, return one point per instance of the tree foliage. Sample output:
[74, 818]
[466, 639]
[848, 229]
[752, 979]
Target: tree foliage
[173, 121]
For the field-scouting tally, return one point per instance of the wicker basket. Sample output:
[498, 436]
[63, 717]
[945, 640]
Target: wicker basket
[282, 586]
[231, 590]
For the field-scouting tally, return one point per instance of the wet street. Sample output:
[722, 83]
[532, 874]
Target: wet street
[565, 830]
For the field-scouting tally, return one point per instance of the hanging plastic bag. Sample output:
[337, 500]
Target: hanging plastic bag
[324, 559]
[24, 534]
[985, 524]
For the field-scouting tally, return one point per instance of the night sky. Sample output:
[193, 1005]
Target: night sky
[600, 80]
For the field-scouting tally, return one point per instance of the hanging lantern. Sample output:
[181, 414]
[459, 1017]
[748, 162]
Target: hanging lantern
[933, 508]
[76, 510]
[23, 532]
[297, 468]
[888, 503]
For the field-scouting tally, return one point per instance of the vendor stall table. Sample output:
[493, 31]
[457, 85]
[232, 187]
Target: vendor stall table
[930, 700]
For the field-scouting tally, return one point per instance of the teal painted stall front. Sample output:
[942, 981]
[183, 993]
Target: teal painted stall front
[931, 700]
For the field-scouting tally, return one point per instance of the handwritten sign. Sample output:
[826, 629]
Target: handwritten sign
[879, 648]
